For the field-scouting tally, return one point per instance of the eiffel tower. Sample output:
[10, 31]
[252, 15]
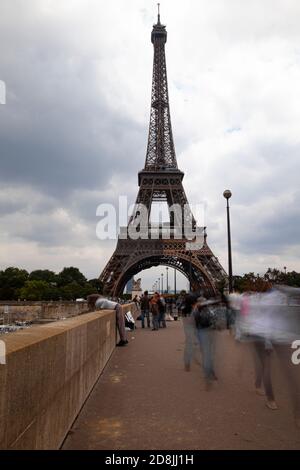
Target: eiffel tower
[161, 180]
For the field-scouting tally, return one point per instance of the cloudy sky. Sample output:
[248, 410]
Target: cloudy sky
[73, 131]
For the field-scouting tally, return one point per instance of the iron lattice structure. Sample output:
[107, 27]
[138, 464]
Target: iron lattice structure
[161, 180]
[160, 149]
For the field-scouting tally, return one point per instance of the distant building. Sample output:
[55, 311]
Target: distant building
[129, 286]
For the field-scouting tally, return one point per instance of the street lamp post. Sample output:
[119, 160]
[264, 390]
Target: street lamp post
[162, 283]
[227, 194]
[190, 269]
[167, 280]
[175, 281]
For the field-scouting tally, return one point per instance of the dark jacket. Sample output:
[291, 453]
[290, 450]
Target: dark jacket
[145, 302]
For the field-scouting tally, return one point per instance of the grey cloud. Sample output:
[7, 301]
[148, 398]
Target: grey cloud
[58, 131]
[73, 133]
[275, 231]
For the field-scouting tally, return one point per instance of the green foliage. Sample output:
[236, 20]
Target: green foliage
[221, 285]
[34, 290]
[43, 275]
[71, 291]
[71, 284]
[251, 282]
[126, 297]
[70, 275]
[257, 283]
[11, 281]
[293, 279]
[43, 284]
[97, 285]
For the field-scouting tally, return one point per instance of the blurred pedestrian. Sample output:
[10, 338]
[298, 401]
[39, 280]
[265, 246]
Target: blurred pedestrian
[145, 309]
[154, 307]
[162, 312]
[186, 303]
[205, 328]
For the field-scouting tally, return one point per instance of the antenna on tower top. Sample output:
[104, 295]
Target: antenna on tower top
[158, 16]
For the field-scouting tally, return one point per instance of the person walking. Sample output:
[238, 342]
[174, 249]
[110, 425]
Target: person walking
[203, 317]
[186, 303]
[254, 326]
[155, 311]
[162, 312]
[262, 363]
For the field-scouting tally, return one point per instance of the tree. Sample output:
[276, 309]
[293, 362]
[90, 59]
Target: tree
[221, 284]
[11, 281]
[274, 275]
[70, 275]
[251, 282]
[293, 279]
[97, 285]
[72, 291]
[43, 275]
[34, 290]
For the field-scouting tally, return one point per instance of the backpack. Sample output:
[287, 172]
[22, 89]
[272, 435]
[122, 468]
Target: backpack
[204, 317]
[129, 321]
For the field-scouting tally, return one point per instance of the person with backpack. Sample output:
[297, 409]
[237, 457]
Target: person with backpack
[186, 304]
[204, 319]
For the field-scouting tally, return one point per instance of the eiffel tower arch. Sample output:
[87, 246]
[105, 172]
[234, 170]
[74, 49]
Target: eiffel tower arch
[161, 181]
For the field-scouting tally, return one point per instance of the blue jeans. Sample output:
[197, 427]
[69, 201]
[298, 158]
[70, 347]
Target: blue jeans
[206, 338]
[155, 322]
[145, 313]
[190, 339]
[162, 319]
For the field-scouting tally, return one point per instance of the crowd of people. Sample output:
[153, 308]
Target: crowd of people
[269, 322]
[152, 308]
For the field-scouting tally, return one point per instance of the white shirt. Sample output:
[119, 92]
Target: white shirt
[105, 304]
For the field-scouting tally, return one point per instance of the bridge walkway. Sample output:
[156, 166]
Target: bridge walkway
[146, 400]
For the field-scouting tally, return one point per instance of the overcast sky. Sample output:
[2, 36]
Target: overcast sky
[73, 132]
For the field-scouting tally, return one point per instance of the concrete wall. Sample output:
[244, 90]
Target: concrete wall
[33, 311]
[49, 372]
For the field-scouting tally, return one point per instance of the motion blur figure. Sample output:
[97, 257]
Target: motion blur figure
[145, 309]
[271, 321]
[154, 306]
[204, 318]
[253, 325]
[162, 312]
[285, 329]
[187, 302]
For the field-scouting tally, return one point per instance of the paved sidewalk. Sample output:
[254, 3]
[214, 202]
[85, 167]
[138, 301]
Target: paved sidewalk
[145, 400]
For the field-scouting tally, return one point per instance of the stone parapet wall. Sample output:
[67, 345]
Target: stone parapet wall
[49, 372]
[33, 311]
